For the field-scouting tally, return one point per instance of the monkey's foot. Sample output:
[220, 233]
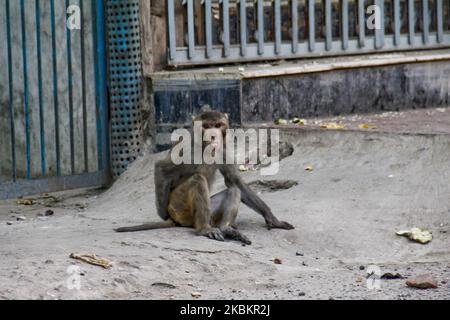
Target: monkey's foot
[279, 225]
[233, 234]
[212, 233]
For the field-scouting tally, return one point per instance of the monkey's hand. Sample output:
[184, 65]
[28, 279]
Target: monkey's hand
[276, 224]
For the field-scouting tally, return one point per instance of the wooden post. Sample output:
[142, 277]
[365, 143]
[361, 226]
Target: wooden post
[153, 36]
[146, 37]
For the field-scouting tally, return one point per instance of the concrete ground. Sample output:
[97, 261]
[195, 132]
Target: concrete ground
[365, 186]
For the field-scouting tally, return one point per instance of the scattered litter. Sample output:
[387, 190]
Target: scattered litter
[196, 295]
[299, 254]
[221, 69]
[424, 281]
[391, 276]
[298, 121]
[164, 285]
[416, 234]
[25, 202]
[362, 268]
[367, 126]
[281, 122]
[48, 200]
[332, 125]
[21, 218]
[49, 213]
[92, 259]
[309, 168]
[359, 279]
[45, 199]
[9, 223]
[277, 261]
[241, 69]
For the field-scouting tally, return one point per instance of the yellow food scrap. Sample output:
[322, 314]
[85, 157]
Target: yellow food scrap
[309, 168]
[298, 121]
[366, 126]
[281, 121]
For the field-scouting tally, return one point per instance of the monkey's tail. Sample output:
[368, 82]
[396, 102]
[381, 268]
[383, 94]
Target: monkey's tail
[148, 226]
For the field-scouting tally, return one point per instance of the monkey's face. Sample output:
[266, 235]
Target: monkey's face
[214, 133]
[214, 126]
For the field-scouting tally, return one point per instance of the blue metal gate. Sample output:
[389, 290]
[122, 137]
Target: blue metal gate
[53, 97]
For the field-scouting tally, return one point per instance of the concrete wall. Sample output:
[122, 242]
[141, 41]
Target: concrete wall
[249, 100]
[48, 102]
[364, 90]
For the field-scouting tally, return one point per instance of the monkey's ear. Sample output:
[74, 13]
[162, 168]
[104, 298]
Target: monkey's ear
[226, 116]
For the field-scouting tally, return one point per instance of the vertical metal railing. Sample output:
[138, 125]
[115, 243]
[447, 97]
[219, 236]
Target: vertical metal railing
[260, 34]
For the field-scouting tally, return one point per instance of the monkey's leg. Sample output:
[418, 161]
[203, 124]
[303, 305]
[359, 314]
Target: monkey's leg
[225, 206]
[190, 206]
[148, 226]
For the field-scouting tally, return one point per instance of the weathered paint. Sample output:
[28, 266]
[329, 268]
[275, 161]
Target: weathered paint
[54, 81]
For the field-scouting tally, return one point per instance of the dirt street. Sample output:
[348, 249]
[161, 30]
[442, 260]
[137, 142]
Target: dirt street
[364, 187]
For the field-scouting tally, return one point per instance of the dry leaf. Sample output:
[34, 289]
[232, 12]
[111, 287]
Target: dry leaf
[332, 125]
[416, 234]
[25, 202]
[92, 259]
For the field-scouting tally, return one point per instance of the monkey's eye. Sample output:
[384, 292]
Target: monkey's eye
[218, 125]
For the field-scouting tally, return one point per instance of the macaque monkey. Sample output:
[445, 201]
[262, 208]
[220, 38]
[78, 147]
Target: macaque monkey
[183, 195]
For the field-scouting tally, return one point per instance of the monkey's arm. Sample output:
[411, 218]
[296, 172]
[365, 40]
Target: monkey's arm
[163, 181]
[251, 199]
